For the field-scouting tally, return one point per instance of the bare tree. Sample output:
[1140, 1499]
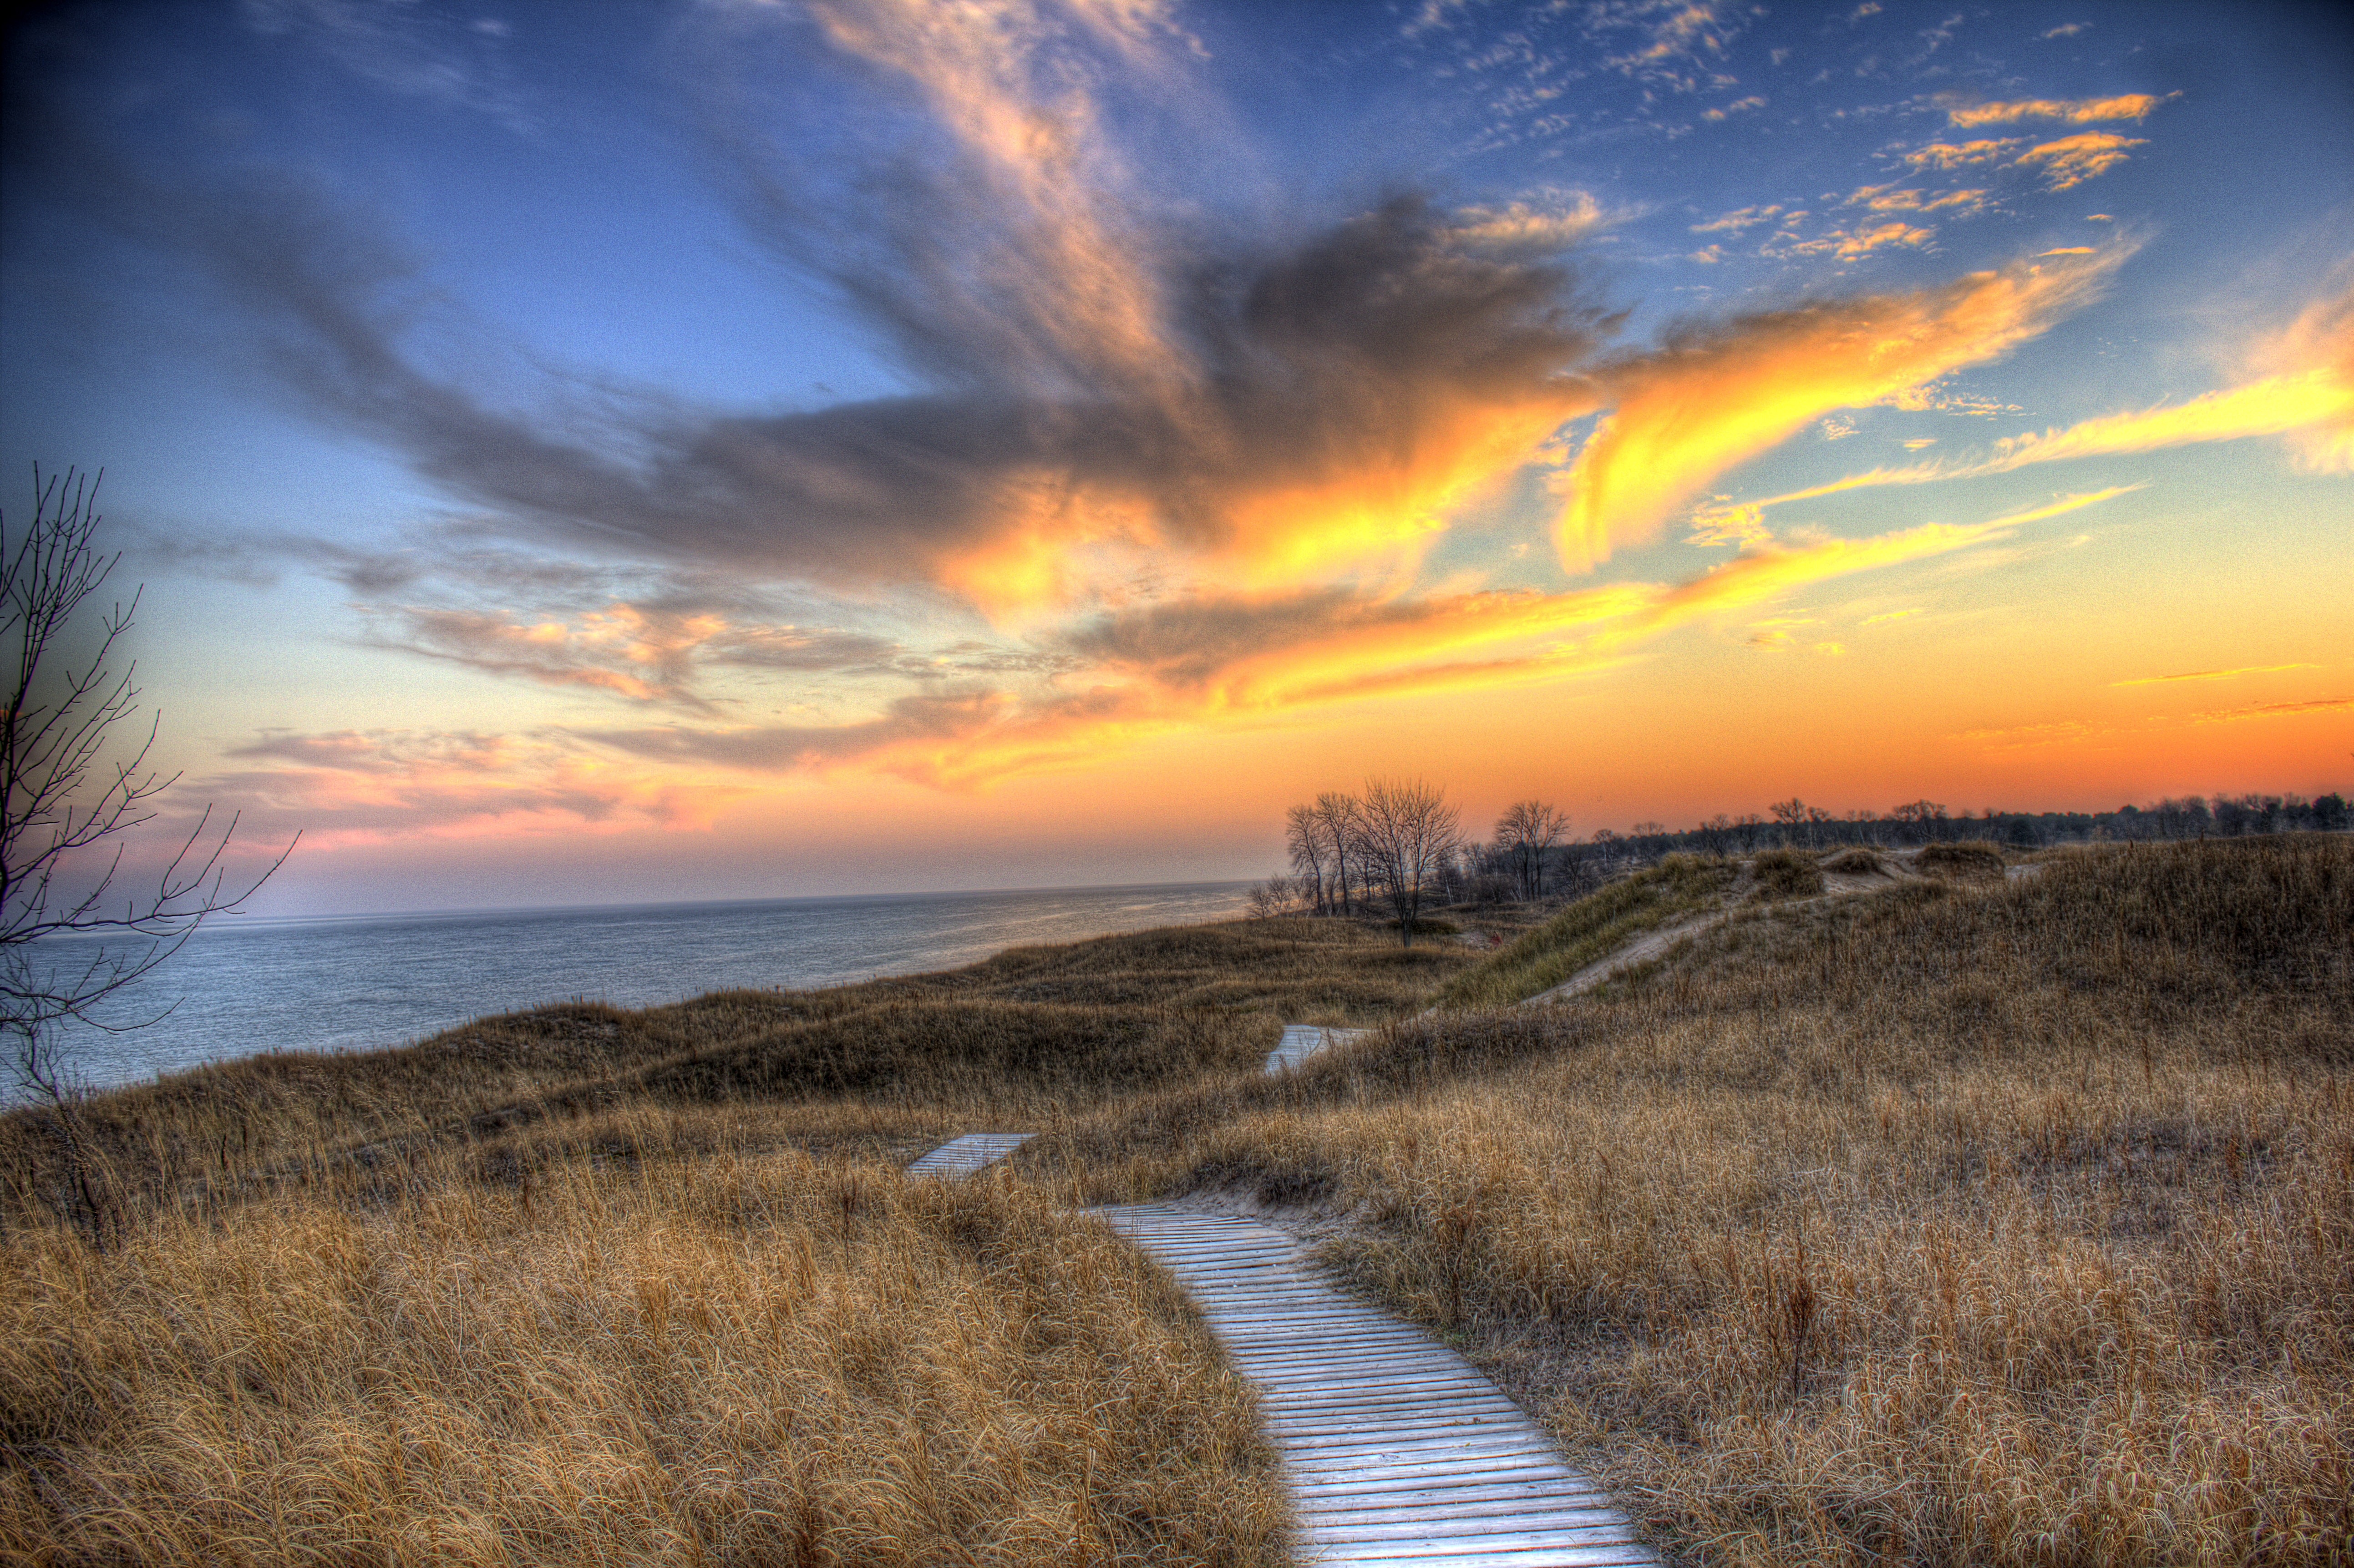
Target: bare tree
[1341, 818]
[1409, 833]
[68, 809]
[1527, 832]
[1303, 836]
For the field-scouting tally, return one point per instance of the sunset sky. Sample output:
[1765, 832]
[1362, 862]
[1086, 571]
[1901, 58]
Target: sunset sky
[587, 452]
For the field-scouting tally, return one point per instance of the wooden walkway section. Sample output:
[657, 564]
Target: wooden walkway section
[1396, 1448]
[961, 1156]
[1301, 1040]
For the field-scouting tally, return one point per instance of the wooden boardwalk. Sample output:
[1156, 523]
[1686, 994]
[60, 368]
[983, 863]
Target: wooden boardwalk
[961, 1156]
[1301, 1040]
[1396, 1448]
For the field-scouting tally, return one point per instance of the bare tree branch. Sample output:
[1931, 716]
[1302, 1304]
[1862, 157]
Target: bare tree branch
[64, 804]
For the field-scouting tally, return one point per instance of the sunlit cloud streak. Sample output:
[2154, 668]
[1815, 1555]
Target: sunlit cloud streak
[2311, 403]
[1717, 395]
[2072, 160]
[2072, 112]
[1115, 402]
[354, 786]
[2211, 674]
[1157, 668]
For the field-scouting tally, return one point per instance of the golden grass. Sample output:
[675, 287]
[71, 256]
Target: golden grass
[1590, 929]
[573, 1285]
[1974, 857]
[1958, 1222]
[716, 1359]
[1787, 873]
[872, 1069]
[1949, 1225]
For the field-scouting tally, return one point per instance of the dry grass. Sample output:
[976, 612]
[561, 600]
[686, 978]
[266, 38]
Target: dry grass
[1787, 873]
[870, 1070]
[1961, 1221]
[1951, 1224]
[1591, 928]
[716, 1359]
[584, 1284]
[1974, 857]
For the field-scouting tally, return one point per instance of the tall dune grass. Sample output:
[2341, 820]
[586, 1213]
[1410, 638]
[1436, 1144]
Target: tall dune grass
[1959, 1223]
[706, 1361]
[1591, 930]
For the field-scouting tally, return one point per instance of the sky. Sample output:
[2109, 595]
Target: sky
[594, 452]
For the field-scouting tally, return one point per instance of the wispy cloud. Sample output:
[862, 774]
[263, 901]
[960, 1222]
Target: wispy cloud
[1961, 155]
[2072, 160]
[413, 50]
[2274, 710]
[355, 786]
[1715, 396]
[2310, 402]
[2067, 110]
[1149, 472]
[2211, 674]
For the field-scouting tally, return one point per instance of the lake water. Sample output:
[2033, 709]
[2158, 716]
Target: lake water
[243, 985]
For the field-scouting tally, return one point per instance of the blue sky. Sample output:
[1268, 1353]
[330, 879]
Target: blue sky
[601, 451]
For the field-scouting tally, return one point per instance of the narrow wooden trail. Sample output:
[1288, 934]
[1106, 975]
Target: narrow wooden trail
[1301, 1040]
[961, 1156]
[1396, 1448]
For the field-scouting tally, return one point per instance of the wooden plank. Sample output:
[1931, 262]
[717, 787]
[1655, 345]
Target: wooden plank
[1302, 1041]
[1522, 1509]
[1632, 1555]
[1397, 1489]
[961, 1156]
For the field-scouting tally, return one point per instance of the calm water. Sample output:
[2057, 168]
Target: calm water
[247, 985]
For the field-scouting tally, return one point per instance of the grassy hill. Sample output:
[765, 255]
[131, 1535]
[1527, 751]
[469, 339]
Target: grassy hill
[1886, 1213]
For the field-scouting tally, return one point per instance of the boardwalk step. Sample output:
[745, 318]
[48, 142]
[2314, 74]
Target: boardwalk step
[1301, 1040]
[961, 1156]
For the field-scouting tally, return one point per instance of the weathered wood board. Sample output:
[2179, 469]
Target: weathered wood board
[1301, 1040]
[961, 1156]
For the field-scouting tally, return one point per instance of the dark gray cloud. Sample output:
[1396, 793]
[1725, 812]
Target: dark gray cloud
[1354, 355]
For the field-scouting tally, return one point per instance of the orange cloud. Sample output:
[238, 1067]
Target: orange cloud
[1201, 660]
[1954, 155]
[1900, 198]
[997, 77]
[2211, 674]
[1716, 397]
[2311, 403]
[2272, 710]
[2072, 160]
[2070, 111]
[374, 786]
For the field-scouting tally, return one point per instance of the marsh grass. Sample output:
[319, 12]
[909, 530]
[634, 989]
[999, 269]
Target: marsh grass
[590, 1285]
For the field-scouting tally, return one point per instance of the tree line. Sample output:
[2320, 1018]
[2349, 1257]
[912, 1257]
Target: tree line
[1397, 849]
